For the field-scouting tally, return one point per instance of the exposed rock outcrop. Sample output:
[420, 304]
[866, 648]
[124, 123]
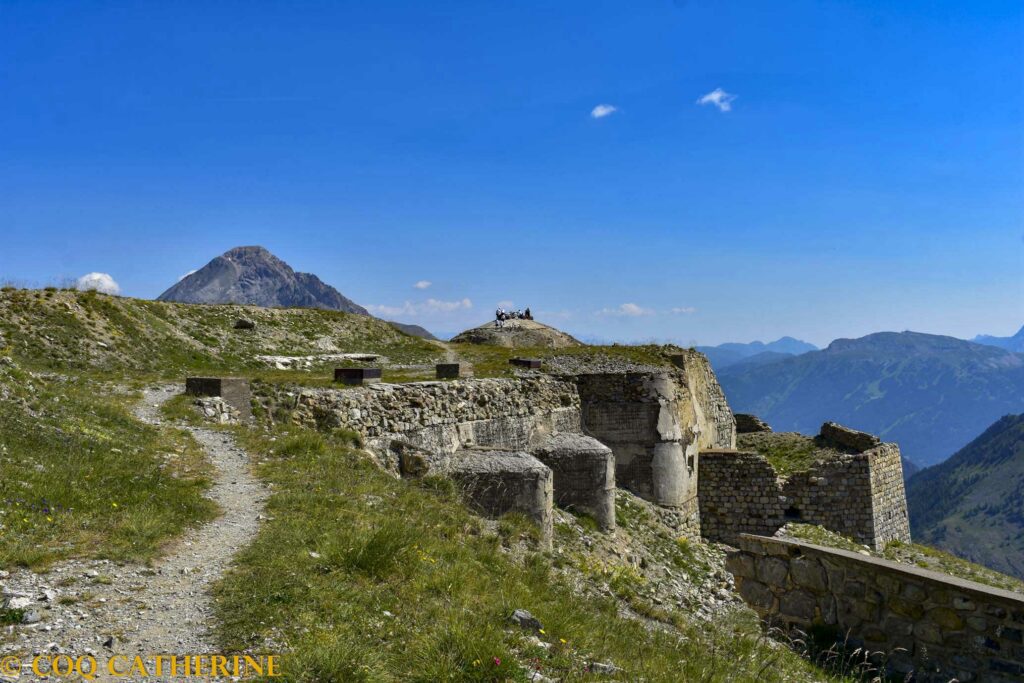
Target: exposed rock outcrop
[252, 275]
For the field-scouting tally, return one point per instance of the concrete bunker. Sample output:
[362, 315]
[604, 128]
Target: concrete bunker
[495, 482]
[584, 475]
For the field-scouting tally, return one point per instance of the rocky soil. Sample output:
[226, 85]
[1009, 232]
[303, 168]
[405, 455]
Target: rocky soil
[103, 608]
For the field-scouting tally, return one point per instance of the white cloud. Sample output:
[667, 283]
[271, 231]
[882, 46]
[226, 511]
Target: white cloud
[101, 282]
[629, 310]
[603, 110]
[185, 275]
[423, 284]
[506, 304]
[428, 307]
[719, 98]
[684, 310]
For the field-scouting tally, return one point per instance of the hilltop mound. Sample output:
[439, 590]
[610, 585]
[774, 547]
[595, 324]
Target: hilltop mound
[516, 333]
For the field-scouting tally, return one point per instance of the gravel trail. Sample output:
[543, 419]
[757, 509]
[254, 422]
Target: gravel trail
[102, 608]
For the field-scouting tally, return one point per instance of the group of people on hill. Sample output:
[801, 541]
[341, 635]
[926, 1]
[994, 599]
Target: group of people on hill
[501, 315]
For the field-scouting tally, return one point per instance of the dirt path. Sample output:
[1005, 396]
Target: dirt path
[101, 608]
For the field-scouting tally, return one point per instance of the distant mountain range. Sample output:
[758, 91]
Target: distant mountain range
[252, 275]
[929, 393]
[755, 353]
[1014, 343]
[973, 504]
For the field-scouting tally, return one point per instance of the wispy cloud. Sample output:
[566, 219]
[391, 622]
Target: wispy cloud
[185, 275]
[421, 308]
[101, 282]
[628, 310]
[603, 110]
[423, 284]
[719, 98]
[684, 310]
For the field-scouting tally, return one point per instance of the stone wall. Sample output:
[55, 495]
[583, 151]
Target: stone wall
[938, 627]
[443, 417]
[858, 495]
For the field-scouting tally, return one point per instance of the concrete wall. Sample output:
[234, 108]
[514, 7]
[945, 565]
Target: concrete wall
[858, 495]
[931, 624]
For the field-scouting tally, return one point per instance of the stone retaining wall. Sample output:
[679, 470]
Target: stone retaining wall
[919, 621]
[858, 495]
[443, 417]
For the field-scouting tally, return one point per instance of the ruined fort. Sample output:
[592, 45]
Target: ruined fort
[665, 433]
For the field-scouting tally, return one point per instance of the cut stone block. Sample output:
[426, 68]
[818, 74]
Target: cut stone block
[357, 376]
[496, 482]
[448, 370]
[584, 473]
[234, 390]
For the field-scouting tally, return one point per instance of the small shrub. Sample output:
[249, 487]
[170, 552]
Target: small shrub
[11, 616]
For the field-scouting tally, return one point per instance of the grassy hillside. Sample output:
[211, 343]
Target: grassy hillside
[973, 504]
[369, 578]
[88, 331]
[930, 394]
[81, 477]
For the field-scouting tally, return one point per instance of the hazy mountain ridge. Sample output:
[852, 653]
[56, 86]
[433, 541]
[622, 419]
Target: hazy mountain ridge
[973, 504]
[929, 393]
[732, 353]
[1014, 343]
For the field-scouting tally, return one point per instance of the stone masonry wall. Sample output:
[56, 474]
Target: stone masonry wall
[891, 519]
[858, 495]
[917, 621]
[443, 417]
[738, 492]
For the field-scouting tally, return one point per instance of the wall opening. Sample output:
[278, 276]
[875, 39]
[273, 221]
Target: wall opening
[792, 512]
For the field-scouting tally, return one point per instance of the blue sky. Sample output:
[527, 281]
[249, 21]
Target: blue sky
[868, 174]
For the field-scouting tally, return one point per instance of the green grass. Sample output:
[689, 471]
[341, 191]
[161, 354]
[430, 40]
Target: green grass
[96, 333]
[369, 578]
[788, 452]
[492, 361]
[81, 477]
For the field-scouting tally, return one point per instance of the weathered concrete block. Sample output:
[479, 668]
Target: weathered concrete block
[357, 376]
[448, 370]
[584, 475]
[234, 390]
[495, 482]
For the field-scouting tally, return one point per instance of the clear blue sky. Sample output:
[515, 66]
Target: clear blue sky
[868, 174]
